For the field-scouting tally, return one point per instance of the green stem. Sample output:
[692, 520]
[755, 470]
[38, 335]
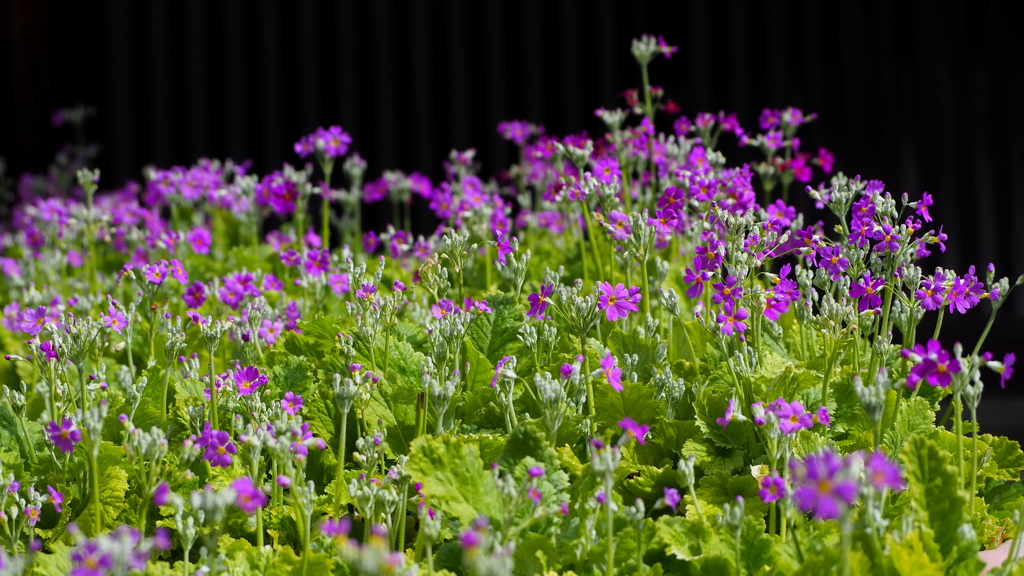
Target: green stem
[609, 525]
[938, 323]
[644, 287]
[94, 473]
[339, 474]
[591, 408]
[325, 217]
[984, 333]
[163, 395]
[213, 396]
[959, 425]
[592, 235]
[974, 456]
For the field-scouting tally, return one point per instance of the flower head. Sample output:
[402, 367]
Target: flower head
[248, 380]
[730, 414]
[610, 372]
[291, 403]
[882, 473]
[821, 484]
[616, 301]
[634, 429]
[773, 487]
[64, 435]
[218, 445]
[931, 364]
[792, 416]
[249, 497]
[539, 301]
[671, 497]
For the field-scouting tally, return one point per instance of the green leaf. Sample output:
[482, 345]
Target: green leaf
[938, 500]
[622, 343]
[712, 458]
[528, 441]
[57, 563]
[113, 487]
[288, 373]
[453, 475]
[496, 334]
[636, 401]
[909, 557]
[915, 417]
[1005, 459]
[688, 538]
[721, 488]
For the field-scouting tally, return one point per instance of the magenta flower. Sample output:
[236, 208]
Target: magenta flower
[504, 247]
[177, 271]
[610, 372]
[336, 527]
[773, 487]
[727, 291]
[332, 142]
[89, 560]
[535, 495]
[195, 295]
[883, 474]
[366, 291]
[822, 486]
[156, 273]
[33, 320]
[867, 290]
[249, 498]
[616, 301]
[162, 494]
[792, 416]
[1004, 368]
[219, 446]
[64, 435]
[291, 403]
[56, 498]
[671, 497]
[248, 380]
[270, 330]
[535, 472]
[931, 364]
[832, 260]
[443, 308]
[822, 417]
[114, 320]
[730, 414]
[619, 225]
[732, 319]
[539, 301]
[634, 429]
[49, 350]
[932, 292]
[887, 239]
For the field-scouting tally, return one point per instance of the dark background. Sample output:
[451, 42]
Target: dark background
[922, 97]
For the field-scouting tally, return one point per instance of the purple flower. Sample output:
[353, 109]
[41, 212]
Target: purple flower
[610, 372]
[162, 494]
[89, 560]
[773, 487]
[291, 403]
[156, 273]
[114, 320]
[336, 527]
[887, 239]
[249, 498]
[33, 320]
[931, 364]
[248, 380]
[822, 486]
[366, 291]
[177, 271]
[504, 247]
[727, 291]
[56, 498]
[497, 370]
[270, 330]
[31, 515]
[792, 416]
[195, 295]
[219, 446]
[730, 414]
[616, 301]
[732, 319]
[64, 435]
[49, 350]
[200, 239]
[535, 495]
[883, 474]
[539, 301]
[535, 472]
[443, 308]
[634, 429]
[867, 290]
[932, 292]
[332, 142]
[1004, 368]
[822, 417]
[317, 262]
[671, 497]
[832, 260]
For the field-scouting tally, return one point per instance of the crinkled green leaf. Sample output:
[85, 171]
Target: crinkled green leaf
[721, 488]
[636, 401]
[712, 458]
[496, 334]
[938, 500]
[55, 563]
[1004, 458]
[909, 558]
[915, 417]
[454, 477]
[689, 538]
[113, 487]
[289, 373]
[622, 343]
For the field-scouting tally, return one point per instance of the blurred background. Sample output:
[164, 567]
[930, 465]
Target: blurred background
[923, 98]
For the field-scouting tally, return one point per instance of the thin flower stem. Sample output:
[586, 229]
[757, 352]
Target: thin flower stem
[938, 323]
[94, 473]
[984, 333]
[959, 425]
[592, 235]
[213, 396]
[974, 455]
[591, 408]
[610, 533]
[325, 217]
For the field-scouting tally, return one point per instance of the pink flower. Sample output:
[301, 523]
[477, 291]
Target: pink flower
[249, 498]
[616, 301]
[773, 487]
[114, 320]
[539, 301]
[291, 403]
[443, 308]
[610, 372]
[732, 319]
[634, 429]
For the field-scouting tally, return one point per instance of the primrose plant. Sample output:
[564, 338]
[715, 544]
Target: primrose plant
[627, 355]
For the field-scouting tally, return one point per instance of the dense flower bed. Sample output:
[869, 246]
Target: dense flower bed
[614, 359]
